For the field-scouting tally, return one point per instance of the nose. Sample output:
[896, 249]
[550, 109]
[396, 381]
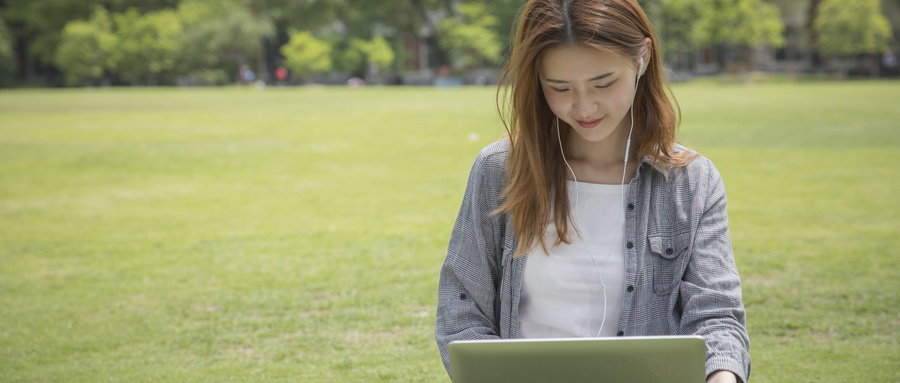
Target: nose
[584, 107]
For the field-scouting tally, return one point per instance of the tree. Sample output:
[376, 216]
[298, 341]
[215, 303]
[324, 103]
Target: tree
[674, 22]
[147, 46]
[378, 52]
[469, 36]
[504, 11]
[85, 49]
[219, 37]
[7, 55]
[747, 24]
[891, 11]
[374, 54]
[37, 24]
[338, 21]
[851, 27]
[304, 54]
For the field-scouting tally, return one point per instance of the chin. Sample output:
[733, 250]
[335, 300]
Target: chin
[593, 136]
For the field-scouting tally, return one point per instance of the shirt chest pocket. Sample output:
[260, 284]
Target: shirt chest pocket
[667, 255]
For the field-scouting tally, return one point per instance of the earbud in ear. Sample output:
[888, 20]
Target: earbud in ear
[641, 68]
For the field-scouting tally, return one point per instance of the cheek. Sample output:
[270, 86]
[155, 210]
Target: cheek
[556, 103]
[617, 102]
[625, 96]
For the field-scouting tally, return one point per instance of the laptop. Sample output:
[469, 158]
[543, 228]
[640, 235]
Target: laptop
[670, 359]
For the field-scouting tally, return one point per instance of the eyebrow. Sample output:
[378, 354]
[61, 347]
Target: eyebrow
[600, 77]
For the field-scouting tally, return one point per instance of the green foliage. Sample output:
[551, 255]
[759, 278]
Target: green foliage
[360, 17]
[41, 22]
[148, 45]
[379, 52]
[675, 23]
[850, 27]
[220, 35]
[304, 54]
[363, 57]
[505, 11]
[8, 60]
[86, 48]
[749, 23]
[373, 52]
[347, 56]
[216, 37]
[359, 55]
[470, 37]
[200, 38]
[307, 15]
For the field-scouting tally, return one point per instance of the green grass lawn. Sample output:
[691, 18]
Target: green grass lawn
[297, 234]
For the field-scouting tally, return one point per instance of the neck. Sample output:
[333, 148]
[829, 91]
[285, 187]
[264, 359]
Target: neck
[601, 162]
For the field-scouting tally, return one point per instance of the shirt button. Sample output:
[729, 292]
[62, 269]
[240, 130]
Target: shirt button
[669, 251]
[620, 333]
[630, 206]
[630, 288]
[629, 245]
[462, 296]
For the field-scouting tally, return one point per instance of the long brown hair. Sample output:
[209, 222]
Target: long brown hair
[536, 174]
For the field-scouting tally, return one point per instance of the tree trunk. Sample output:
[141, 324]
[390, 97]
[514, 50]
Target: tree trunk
[720, 58]
[749, 65]
[817, 61]
[440, 57]
[264, 69]
[26, 62]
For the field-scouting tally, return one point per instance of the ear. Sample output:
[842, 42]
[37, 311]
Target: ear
[646, 54]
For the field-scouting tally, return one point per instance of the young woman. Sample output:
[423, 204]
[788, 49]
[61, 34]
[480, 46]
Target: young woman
[589, 219]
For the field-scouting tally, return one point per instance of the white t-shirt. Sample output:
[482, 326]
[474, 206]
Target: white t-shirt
[561, 293]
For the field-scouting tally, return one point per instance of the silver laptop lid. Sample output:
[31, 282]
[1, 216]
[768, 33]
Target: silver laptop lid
[670, 359]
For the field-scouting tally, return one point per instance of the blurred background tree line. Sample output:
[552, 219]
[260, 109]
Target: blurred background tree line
[197, 42]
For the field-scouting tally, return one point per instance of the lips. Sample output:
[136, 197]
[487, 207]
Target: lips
[589, 124]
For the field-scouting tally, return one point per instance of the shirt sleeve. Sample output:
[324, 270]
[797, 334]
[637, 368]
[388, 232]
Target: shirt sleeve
[711, 289]
[468, 306]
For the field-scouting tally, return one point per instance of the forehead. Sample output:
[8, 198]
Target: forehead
[577, 62]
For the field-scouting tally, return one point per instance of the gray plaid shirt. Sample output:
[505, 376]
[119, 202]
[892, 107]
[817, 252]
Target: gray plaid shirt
[680, 275]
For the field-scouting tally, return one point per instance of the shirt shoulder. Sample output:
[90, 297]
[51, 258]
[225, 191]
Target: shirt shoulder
[489, 169]
[495, 154]
[701, 169]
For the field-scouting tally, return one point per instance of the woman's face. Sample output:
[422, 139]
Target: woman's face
[590, 89]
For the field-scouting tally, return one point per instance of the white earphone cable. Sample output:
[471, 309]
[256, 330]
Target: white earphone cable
[601, 270]
[586, 245]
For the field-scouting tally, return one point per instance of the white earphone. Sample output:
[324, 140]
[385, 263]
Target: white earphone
[624, 170]
[628, 143]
